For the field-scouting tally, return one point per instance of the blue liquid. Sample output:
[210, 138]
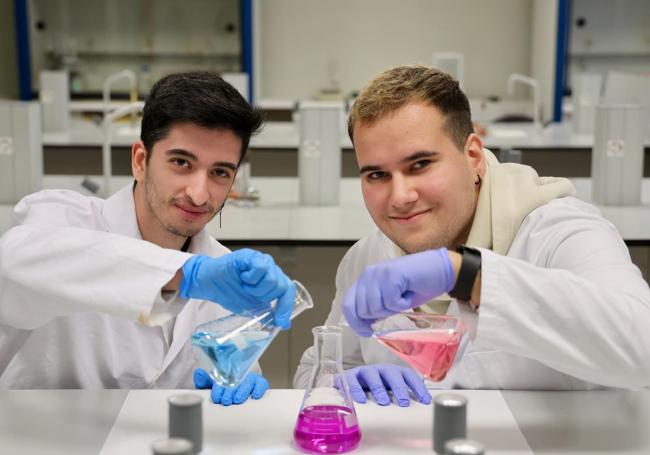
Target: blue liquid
[232, 359]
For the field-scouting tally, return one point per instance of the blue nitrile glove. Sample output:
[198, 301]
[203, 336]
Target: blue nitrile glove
[380, 378]
[397, 285]
[254, 385]
[244, 280]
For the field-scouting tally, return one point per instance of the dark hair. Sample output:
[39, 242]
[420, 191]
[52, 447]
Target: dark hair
[398, 86]
[198, 97]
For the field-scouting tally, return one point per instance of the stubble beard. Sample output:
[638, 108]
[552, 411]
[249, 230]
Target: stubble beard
[418, 247]
[442, 238]
[156, 206]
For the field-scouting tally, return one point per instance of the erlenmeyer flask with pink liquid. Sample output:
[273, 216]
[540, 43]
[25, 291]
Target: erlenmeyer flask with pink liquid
[327, 422]
[430, 343]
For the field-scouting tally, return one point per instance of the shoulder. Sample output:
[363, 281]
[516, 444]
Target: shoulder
[57, 207]
[566, 211]
[567, 225]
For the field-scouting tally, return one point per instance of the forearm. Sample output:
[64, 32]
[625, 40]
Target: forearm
[592, 327]
[48, 272]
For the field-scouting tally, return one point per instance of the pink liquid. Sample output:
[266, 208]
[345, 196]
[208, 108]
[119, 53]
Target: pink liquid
[327, 429]
[431, 352]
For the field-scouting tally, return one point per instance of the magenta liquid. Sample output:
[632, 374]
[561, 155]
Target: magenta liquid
[327, 429]
[431, 352]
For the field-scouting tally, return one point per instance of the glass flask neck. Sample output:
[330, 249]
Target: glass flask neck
[328, 365]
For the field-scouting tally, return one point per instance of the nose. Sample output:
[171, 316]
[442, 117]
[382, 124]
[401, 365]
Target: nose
[197, 189]
[403, 192]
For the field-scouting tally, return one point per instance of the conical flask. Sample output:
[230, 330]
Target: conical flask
[228, 347]
[431, 343]
[327, 422]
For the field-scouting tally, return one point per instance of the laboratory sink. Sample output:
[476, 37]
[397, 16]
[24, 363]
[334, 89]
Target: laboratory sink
[128, 131]
[507, 133]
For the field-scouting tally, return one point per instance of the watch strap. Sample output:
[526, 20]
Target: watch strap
[469, 267]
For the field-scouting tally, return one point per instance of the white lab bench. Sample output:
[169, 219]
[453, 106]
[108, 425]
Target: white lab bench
[111, 422]
[281, 218]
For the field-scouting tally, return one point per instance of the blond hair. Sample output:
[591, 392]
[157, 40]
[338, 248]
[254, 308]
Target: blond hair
[401, 85]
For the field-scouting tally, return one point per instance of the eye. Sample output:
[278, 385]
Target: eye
[421, 164]
[377, 175]
[180, 162]
[220, 172]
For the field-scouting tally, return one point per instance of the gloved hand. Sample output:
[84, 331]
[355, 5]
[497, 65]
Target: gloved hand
[397, 285]
[244, 280]
[253, 385]
[381, 378]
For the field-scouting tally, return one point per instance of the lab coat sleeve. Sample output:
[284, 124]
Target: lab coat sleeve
[50, 271]
[576, 304]
[352, 356]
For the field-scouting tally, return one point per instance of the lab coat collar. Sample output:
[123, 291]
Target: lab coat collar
[119, 213]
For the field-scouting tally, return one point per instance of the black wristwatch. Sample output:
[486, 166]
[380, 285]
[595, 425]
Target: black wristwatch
[469, 268]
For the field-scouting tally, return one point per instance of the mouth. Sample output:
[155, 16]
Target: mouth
[191, 214]
[409, 218]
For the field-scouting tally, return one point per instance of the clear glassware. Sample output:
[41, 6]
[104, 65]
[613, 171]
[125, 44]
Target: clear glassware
[228, 347]
[327, 421]
[243, 194]
[430, 343]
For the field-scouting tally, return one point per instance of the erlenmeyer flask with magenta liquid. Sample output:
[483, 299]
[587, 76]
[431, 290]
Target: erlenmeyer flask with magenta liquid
[228, 347]
[327, 421]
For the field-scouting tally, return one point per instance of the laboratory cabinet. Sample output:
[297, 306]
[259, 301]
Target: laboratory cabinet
[95, 38]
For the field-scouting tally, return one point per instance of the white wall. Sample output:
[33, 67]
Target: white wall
[304, 42]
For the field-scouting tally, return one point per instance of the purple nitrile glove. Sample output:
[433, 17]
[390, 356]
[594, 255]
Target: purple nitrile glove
[254, 385]
[242, 281]
[397, 285]
[380, 378]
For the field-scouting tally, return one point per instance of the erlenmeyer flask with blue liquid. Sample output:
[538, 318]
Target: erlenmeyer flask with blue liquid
[228, 347]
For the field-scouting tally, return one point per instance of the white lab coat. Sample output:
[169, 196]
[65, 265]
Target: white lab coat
[75, 279]
[564, 309]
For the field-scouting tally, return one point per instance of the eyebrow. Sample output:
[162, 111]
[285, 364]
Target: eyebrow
[192, 157]
[412, 157]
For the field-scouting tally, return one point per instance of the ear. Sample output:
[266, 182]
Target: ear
[474, 154]
[138, 161]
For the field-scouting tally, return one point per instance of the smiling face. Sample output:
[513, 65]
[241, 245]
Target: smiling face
[419, 188]
[184, 183]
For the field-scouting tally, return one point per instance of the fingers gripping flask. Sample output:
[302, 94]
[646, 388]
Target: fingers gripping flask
[327, 422]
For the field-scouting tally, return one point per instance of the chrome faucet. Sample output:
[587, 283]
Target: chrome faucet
[534, 85]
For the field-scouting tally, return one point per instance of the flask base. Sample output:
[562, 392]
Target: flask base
[327, 429]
